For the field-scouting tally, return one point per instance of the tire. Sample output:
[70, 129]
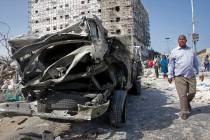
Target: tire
[118, 108]
[137, 87]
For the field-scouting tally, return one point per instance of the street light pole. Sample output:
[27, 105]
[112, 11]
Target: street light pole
[194, 39]
[193, 16]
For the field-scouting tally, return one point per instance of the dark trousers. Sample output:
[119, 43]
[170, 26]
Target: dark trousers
[156, 71]
[186, 89]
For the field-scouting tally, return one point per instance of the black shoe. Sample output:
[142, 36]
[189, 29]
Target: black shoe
[184, 116]
[189, 107]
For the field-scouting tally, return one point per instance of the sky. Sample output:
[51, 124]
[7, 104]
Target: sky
[15, 14]
[168, 19]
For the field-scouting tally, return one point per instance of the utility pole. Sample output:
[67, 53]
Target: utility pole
[195, 36]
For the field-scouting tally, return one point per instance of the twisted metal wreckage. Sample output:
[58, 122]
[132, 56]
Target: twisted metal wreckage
[75, 74]
[6, 70]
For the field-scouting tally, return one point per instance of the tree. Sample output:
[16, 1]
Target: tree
[6, 70]
[4, 36]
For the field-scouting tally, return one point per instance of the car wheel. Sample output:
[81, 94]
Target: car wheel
[118, 108]
[137, 86]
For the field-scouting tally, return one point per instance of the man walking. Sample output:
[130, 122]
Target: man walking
[206, 63]
[183, 64]
[156, 66]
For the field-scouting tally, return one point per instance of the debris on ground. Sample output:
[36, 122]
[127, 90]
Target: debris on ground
[9, 87]
[22, 121]
[203, 86]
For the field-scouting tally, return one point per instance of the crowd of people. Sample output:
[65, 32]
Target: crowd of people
[160, 63]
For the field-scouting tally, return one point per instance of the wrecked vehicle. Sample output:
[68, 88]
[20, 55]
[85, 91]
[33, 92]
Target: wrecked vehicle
[75, 74]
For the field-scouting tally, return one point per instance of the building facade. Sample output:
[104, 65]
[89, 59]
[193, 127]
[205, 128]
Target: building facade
[129, 20]
[125, 19]
[49, 16]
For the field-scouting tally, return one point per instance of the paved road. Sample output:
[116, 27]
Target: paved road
[151, 116]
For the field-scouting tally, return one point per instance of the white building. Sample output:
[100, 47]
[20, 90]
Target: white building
[122, 18]
[48, 16]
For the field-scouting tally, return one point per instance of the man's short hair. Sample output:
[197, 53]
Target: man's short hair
[183, 36]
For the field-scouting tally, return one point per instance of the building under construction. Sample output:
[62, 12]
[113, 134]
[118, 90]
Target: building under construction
[49, 16]
[126, 19]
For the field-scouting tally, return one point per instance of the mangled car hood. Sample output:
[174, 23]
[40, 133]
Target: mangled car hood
[51, 59]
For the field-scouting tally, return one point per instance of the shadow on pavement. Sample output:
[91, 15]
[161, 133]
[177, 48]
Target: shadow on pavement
[200, 110]
[145, 113]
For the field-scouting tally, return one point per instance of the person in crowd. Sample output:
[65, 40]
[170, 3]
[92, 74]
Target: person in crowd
[150, 63]
[164, 66]
[156, 66]
[206, 63]
[147, 63]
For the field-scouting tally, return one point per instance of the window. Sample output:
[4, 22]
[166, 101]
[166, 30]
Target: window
[66, 5]
[54, 28]
[66, 25]
[82, 13]
[54, 18]
[82, 2]
[118, 31]
[61, 6]
[47, 9]
[54, 7]
[61, 17]
[36, 1]
[48, 19]
[88, 1]
[75, 17]
[129, 31]
[61, 26]
[66, 16]
[99, 10]
[117, 19]
[36, 31]
[117, 8]
[48, 29]
[36, 11]
[36, 21]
